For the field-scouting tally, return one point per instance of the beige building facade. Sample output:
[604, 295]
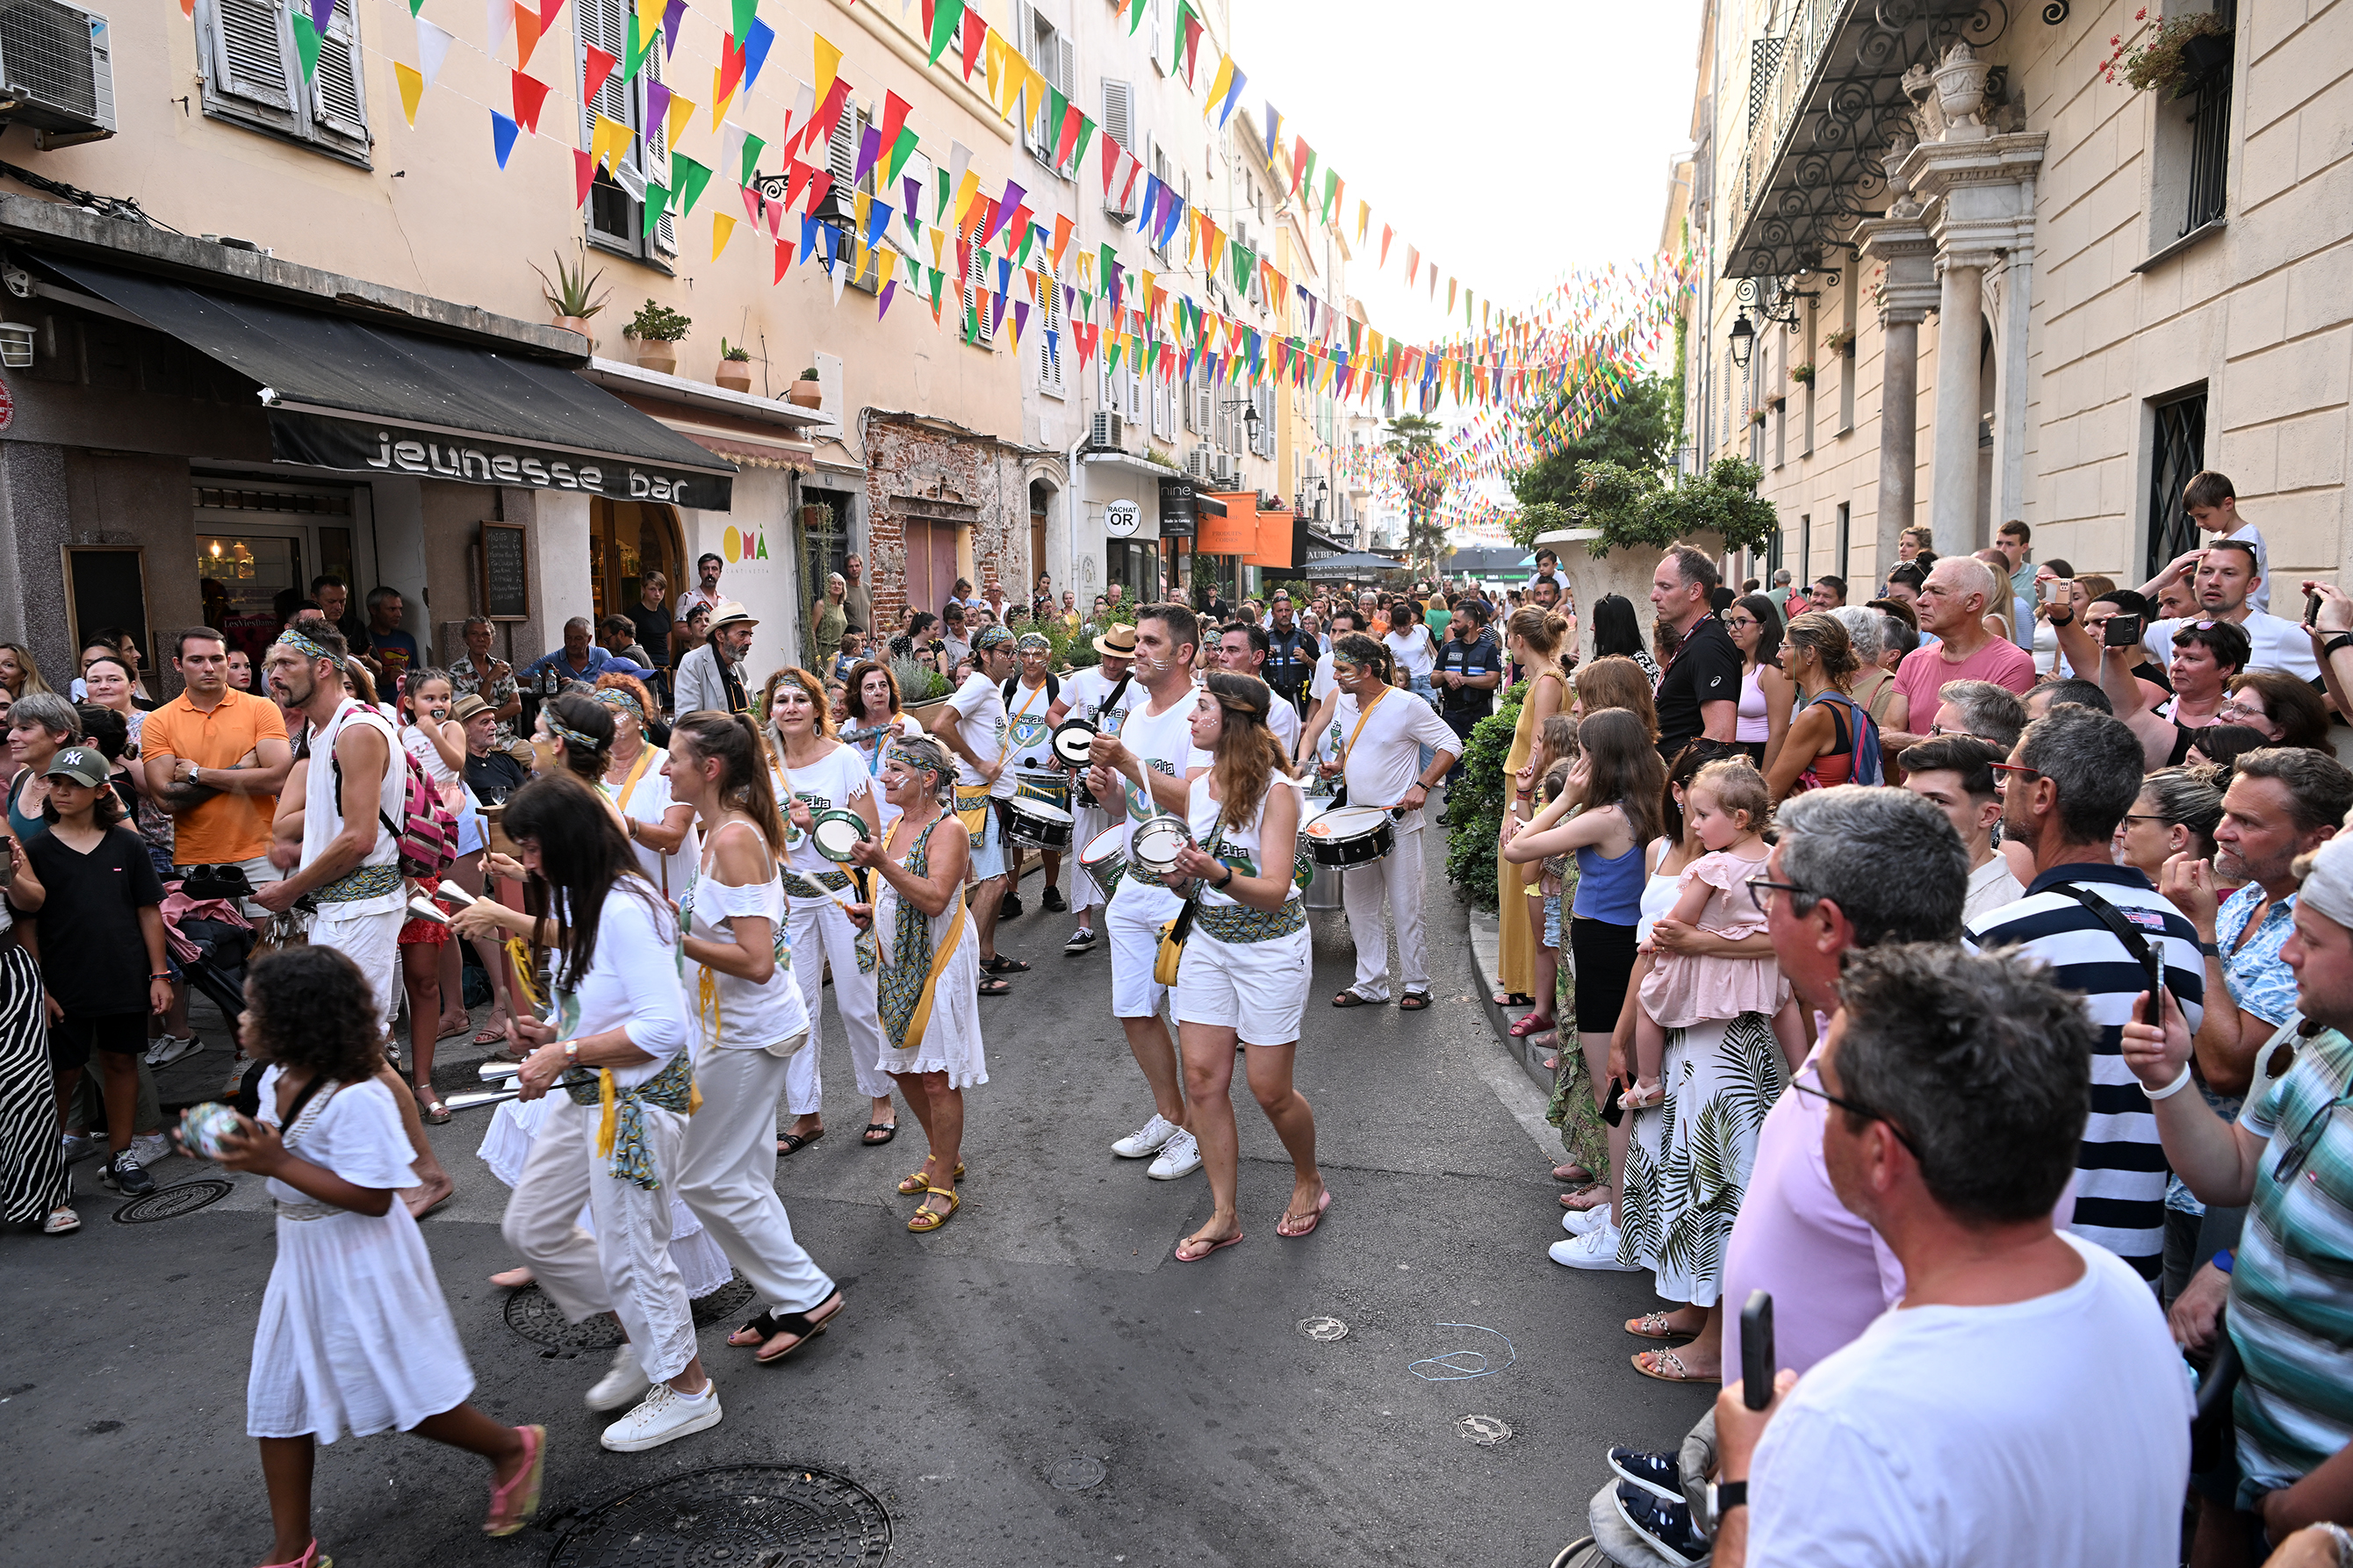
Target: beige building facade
[1953, 275]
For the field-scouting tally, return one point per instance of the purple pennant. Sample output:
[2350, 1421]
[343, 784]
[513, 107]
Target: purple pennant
[882, 306]
[869, 148]
[912, 207]
[670, 20]
[321, 13]
[656, 104]
[1013, 194]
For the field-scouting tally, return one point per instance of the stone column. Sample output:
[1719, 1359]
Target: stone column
[1953, 510]
[2009, 417]
[1905, 292]
[1899, 456]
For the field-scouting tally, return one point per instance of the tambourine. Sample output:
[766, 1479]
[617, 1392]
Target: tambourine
[1073, 743]
[833, 832]
[1157, 842]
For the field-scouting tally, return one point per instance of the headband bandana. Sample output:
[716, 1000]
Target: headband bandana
[1033, 642]
[620, 701]
[994, 636]
[923, 763]
[306, 648]
[566, 734]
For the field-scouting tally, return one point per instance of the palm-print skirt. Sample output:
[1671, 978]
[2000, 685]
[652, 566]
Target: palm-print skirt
[1688, 1161]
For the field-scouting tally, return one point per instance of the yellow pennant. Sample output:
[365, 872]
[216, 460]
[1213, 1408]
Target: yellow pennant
[609, 143]
[937, 237]
[649, 21]
[719, 98]
[889, 264]
[412, 88]
[965, 191]
[682, 114]
[829, 66]
[1224, 80]
[722, 227]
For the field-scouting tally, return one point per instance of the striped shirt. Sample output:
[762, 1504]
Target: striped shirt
[2120, 1169]
[2292, 1290]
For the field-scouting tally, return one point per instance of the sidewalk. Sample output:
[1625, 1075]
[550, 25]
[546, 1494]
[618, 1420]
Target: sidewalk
[1484, 940]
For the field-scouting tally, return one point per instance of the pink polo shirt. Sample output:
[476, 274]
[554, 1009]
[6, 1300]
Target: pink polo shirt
[1924, 672]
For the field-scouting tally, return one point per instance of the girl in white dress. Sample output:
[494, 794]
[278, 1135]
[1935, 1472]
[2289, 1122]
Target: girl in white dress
[432, 972]
[355, 1334]
[751, 1026]
[930, 969]
[1245, 972]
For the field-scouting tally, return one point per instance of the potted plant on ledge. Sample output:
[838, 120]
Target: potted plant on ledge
[1803, 374]
[806, 393]
[1840, 341]
[656, 330]
[571, 295]
[734, 367]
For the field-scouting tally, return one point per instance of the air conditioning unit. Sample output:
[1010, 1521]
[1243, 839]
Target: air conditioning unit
[1196, 461]
[56, 71]
[1108, 432]
[1223, 470]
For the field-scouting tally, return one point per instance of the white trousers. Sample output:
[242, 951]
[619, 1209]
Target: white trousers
[372, 941]
[1395, 879]
[812, 925]
[727, 1175]
[626, 1269]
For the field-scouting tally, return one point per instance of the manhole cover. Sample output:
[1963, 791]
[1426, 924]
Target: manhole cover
[171, 1203]
[746, 1516]
[1077, 1473]
[1486, 1431]
[530, 1314]
[1324, 1329]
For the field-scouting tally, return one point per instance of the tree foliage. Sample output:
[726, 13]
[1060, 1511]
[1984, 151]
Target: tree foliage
[1638, 432]
[1413, 438]
[1630, 507]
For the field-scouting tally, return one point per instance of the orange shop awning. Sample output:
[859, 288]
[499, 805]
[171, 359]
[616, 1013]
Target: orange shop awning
[1235, 534]
[1274, 541]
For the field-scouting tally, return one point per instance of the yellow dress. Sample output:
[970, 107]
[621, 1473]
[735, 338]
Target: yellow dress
[1517, 945]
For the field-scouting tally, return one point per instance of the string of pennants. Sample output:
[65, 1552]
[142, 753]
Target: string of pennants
[1001, 258]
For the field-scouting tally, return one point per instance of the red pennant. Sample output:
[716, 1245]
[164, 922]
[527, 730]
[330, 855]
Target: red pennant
[1066, 145]
[583, 174]
[529, 94]
[828, 113]
[731, 67]
[596, 65]
[820, 181]
[1386, 233]
[1111, 155]
[547, 11]
[784, 260]
[797, 180]
[975, 33]
[894, 120]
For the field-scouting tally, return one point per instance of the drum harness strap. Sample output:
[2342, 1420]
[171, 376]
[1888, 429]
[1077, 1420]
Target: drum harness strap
[1351, 746]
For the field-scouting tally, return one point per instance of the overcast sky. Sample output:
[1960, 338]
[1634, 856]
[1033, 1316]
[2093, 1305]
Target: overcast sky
[1512, 140]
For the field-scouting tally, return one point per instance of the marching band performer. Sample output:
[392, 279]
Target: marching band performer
[1031, 693]
[1098, 695]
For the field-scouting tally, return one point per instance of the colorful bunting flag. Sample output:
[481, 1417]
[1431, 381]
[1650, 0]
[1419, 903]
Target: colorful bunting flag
[412, 88]
[530, 95]
[502, 136]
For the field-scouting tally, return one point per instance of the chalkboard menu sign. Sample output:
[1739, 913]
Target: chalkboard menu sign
[506, 581]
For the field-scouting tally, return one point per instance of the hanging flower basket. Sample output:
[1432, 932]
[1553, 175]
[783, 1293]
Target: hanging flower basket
[1842, 341]
[2173, 57]
[1803, 374]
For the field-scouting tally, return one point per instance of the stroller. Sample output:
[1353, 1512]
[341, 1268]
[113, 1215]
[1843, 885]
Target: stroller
[207, 937]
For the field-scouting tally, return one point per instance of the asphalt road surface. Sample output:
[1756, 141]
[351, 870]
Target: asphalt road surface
[1047, 1322]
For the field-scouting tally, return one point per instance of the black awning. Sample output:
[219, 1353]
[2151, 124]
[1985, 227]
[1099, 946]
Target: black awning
[1208, 505]
[347, 395]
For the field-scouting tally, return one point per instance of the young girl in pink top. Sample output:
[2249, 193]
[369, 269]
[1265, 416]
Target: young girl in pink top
[1727, 805]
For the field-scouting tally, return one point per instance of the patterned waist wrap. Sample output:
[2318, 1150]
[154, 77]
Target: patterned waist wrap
[813, 884]
[367, 882]
[622, 1131]
[1238, 924]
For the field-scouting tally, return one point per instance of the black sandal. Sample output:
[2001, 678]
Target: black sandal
[1002, 965]
[802, 1326]
[1413, 1001]
[889, 1129]
[794, 1142]
[993, 987]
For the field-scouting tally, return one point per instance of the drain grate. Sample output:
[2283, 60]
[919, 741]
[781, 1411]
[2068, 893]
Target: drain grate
[530, 1314]
[1077, 1473]
[171, 1203]
[758, 1516]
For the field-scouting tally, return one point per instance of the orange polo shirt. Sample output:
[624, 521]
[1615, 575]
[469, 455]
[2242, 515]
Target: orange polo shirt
[229, 827]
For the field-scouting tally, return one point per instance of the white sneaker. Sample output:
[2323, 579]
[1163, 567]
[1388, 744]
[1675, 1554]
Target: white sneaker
[1582, 1222]
[1180, 1156]
[1148, 1139]
[664, 1415]
[622, 1387]
[151, 1148]
[1597, 1249]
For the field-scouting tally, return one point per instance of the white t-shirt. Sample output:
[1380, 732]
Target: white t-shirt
[1164, 741]
[1385, 758]
[1320, 685]
[747, 1016]
[323, 815]
[1202, 818]
[632, 982]
[2277, 644]
[649, 800]
[1026, 715]
[980, 721]
[2262, 597]
[2053, 1431]
[1084, 692]
[834, 781]
[1416, 658]
[1283, 720]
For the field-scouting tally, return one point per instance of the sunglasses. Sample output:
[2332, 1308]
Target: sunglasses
[2307, 1138]
[1856, 1108]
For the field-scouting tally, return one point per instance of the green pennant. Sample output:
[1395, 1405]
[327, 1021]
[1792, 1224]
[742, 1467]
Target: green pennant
[901, 151]
[940, 212]
[746, 10]
[635, 50]
[306, 42]
[415, 7]
[1027, 239]
[939, 275]
[1136, 16]
[1111, 354]
[692, 177]
[657, 204]
[752, 146]
[1086, 306]
[945, 15]
[1245, 263]
[1086, 134]
[1056, 107]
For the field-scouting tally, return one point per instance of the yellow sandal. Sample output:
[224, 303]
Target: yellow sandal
[932, 1219]
[918, 1183]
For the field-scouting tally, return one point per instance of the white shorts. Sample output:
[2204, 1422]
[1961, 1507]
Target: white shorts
[1258, 989]
[372, 941]
[1133, 922]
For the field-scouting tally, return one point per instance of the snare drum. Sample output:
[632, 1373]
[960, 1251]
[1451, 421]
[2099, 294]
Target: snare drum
[1350, 836]
[1038, 823]
[1105, 859]
[833, 832]
[1155, 843]
[1051, 786]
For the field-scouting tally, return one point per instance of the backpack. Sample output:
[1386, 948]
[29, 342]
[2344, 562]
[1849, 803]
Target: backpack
[426, 836]
[1868, 768]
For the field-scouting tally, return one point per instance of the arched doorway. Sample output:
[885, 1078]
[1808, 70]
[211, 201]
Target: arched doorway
[626, 539]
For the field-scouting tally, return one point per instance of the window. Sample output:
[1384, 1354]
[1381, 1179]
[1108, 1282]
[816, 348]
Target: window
[255, 77]
[1805, 551]
[1118, 122]
[980, 329]
[1121, 391]
[1045, 47]
[616, 201]
[2177, 450]
[1845, 517]
[1164, 407]
[842, 162]
[1262, 439]
[2190, 148]
[1160, 40]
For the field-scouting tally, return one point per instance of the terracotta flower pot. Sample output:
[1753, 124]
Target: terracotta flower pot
[806, 395]
[659, 357]
[735, 375]
[577, 324]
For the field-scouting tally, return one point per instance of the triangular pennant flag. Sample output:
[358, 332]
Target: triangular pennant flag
[502, 136]
[829, 60]
[432, 49]
[1135, 16]
[890, 290]
[820, 127]
[673, 17]
[412, 88]
[1004, 210]
[657, 204]
[796, 179]
[1191, 44]
[1387, 234]
[901, 151]
[946, 14]
[748, 164]
[595, 65]
[1078, 158]
[609, 143]
[322, 13]
[1218, 85]
[306, 43]
[657, 103]
[753, 200]
[1233, 97]
[731, 72]
[731, 149]
[530, 94]
[583, 175]
[755, 50]
[974, 36]
[681, 113]
[526, 27]
[501, 16]
[740, 18]
[878, 218]
[547, 11]
[636, 45]
[869, 148]
[1111, 154]
[723, 226]
[689, 177]
[894, 120]
[820, 181]
[784, 260]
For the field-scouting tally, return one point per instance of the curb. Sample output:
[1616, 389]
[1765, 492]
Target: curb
[1484, 936]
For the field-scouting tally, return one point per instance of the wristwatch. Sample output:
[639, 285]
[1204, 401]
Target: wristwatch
[571, 1052]
[1228, 880]
[2342, 639]
[1723, 1497]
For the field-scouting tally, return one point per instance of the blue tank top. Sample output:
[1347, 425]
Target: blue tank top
[25, 828]
[1610, 889]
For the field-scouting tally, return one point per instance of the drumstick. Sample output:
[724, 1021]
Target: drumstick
[488, 1097]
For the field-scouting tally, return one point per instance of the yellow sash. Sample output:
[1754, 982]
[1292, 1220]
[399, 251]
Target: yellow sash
[972, 810]
[922, 1016]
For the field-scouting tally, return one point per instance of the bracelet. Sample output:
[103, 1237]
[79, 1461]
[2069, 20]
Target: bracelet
[166, 975]
[2171, 1090]
[2342, 639]
[2210, 950]
[2342, 1539]
[571, 1050]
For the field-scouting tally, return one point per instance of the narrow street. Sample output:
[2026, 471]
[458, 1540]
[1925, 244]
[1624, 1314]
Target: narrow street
[1047, 1324]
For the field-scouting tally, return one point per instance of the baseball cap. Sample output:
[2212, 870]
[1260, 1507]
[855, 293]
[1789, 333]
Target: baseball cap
[80, 764]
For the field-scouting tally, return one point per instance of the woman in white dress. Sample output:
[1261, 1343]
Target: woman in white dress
[751, 1026]
[874, 718]
[929, 976]
[355, 1334]
[816, 773]
[1244, 976]
[661, 828]
[616, 1049]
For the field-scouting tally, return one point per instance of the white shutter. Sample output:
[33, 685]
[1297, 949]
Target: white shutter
[984, 332]
[600, 23]
[1050, 319]
[252, 51]
[1158, 25]
[1118, 122]
[1135, 391]
[656, 137]
[338, 103]
[1068, 77]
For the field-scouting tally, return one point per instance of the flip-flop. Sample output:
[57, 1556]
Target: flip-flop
[889, 1129]
[1354, 999]
[489, 1037]
[992, 986]
[794, 1142]
[772, 1324]
[1310, 1223]
[1511, 999]
[1534, 1022]
[517, 1499]
[1682, 1374]
[1232, 1240]
[1653, 1326]
[453, 1033]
